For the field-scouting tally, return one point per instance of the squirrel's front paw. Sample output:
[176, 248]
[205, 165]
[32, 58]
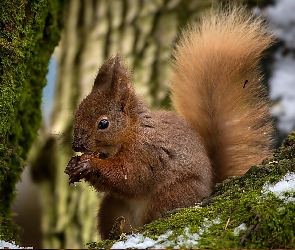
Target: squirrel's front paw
[78, 169]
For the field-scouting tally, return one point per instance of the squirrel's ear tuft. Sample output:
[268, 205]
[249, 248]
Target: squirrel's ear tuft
[114, 80]
[112, 75]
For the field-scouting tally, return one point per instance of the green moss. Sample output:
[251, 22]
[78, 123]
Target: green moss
[269, 220]
[8, 229]
[29, 32]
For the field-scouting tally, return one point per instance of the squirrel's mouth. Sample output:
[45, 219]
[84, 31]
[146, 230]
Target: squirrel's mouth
[105, 152]
[101, 155]
[102, 151]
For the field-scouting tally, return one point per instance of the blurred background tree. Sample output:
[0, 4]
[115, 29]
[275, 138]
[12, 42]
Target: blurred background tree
[144, 32]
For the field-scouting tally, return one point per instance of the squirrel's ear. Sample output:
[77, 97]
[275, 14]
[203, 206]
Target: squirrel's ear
[112, 74]
[114, 78]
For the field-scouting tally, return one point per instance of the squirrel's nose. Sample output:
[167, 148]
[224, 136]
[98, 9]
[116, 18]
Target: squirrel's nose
[78, 146]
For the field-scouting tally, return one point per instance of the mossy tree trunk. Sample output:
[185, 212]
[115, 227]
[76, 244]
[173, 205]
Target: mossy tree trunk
[143, 32]
[29, 31]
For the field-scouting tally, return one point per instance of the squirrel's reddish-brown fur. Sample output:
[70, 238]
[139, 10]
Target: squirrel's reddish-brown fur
[148, 162]
[216, 87]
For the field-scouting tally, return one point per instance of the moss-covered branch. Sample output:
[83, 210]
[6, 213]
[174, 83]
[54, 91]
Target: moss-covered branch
[241, 212]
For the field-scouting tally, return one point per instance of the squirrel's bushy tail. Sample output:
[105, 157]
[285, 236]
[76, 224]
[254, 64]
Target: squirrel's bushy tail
[216, 86]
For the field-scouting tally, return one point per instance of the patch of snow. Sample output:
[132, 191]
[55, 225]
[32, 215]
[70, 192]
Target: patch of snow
[240, 228]
[280, 189]
[185, 240]
[190, 240]
[140, 241]
[282, 91]
[8, 245]
[281, 19]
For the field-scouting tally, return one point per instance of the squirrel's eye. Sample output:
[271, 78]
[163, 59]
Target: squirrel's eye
[103, 124]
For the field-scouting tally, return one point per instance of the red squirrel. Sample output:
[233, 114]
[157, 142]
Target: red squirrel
[149, 162]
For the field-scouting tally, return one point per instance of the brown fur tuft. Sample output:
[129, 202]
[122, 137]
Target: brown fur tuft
[216, 86]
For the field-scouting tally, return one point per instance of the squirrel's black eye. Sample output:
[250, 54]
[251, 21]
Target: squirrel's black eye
[103, 124]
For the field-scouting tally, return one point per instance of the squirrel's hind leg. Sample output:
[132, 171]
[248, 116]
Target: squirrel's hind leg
[112, 208]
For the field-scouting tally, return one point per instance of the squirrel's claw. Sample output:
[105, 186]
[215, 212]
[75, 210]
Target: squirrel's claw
[77, 169]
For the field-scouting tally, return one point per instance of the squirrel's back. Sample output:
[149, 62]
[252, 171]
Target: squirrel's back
[216, 86]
